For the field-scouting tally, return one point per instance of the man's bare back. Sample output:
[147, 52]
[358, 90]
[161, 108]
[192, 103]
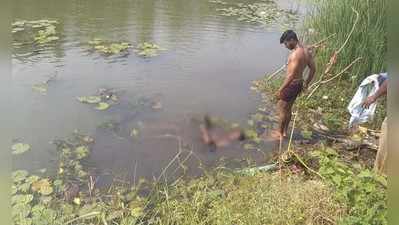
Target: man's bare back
[298, 60]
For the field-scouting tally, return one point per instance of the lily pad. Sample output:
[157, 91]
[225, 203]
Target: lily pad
[89, 99]
[21, 211]
[109, 48]
[21, 199]
[134, 132]
[20, 148]
[81, 152]
[32, 179]
[19, 175]
[147, 49]
[41, 88]
[102, 106]
[43, 187]
[263, 13]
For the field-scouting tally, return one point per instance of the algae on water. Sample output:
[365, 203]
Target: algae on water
[266, 12]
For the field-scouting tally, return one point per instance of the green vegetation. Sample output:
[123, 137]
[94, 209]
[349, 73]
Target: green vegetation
[368, 41]
[147, 49]
[108, 48]
[19, 148]
[43, 31]
[103, 100]
[227, 198]
[266, 12]
[361, 190]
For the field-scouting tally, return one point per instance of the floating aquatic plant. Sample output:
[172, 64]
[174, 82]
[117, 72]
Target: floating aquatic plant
[19, 148]
[90, 99]
[44, 31]
[147, 49]
[102, 100]
[266, 12]
[102, 106]
[109, 48]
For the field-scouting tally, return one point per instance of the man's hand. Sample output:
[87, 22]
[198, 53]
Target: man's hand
[278, 94]
[370, 100]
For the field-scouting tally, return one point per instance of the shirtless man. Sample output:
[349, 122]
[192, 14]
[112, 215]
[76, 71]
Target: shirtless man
[299, 59]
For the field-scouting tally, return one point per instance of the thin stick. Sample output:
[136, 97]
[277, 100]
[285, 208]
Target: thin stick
[343, 71]
[351, 32]
[339, 74]
[293, 152]
[276, 72]
[315, 45]
[134, 174]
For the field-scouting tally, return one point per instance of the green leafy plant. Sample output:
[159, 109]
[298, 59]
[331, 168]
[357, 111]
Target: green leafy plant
[363, 191]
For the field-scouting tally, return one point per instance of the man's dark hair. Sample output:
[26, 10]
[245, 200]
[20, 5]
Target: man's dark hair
[288, 35]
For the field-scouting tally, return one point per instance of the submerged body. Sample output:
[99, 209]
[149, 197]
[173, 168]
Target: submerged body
[219, 137]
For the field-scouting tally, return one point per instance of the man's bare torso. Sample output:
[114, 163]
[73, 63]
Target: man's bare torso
[298, 60]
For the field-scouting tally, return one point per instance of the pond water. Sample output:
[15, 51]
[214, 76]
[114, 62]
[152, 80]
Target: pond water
[207, 68]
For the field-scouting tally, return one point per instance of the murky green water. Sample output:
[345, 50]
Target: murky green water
[208, 67]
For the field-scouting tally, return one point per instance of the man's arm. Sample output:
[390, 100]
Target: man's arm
[312, 71]
[381, 91]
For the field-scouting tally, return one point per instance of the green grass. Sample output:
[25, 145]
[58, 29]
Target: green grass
[261, 199]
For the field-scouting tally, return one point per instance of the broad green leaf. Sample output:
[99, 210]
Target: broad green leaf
[19, 175]
[20, 148]
[21, 210]
[25, 187]
[102, 106]
[43, 187]
[81, 152]
[21, 199]
[14, 190]
[32, 179]
[90, 99]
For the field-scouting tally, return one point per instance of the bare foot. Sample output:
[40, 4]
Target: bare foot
[274, 136]
[285, 134]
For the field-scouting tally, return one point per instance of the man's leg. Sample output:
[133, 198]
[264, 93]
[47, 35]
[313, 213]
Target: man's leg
[288, 114]
[283, 108]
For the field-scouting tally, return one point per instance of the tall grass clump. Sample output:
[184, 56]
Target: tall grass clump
[369, 39]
